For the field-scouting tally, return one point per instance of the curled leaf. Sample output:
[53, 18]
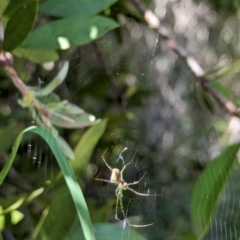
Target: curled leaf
[67, 150]
[68, 115]
[40, 92]
[27, 100]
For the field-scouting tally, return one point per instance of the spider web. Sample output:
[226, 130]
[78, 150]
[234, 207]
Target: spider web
[169, 137]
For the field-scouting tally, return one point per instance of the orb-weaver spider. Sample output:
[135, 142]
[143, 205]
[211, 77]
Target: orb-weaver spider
[117, 178]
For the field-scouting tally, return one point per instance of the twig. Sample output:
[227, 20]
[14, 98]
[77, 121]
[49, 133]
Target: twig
[6, 62]
[154, 22]
[1, 34]
[11, 73]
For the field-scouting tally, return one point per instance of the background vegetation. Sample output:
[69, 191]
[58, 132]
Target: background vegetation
[97, 75]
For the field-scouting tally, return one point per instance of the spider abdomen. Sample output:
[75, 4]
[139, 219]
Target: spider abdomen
[115, 176]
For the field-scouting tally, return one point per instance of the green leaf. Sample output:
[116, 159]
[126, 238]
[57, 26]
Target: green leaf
[208, 188]
[16, 217]
[225, 72]
[221, 89]
[68, 32]
[37, 56]
[50, 99]
[85, 146]
[20, 25]
[40, 92]
[42, 1]
[101, 213]
[14, 5]
[67, 150]
[13, 203]
[130, 91]
[75, 7]
[207, 101]
[68, 115]
[107, 231]
[51, 227]
[72, 183]
[2, 219]
[27, 100]
[11, 131]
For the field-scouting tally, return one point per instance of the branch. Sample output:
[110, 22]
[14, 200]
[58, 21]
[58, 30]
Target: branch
[153, 22]
[6, 62]
[1, 34]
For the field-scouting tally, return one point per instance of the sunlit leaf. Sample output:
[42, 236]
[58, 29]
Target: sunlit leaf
[20, 25]
[68, 32]
[2, 219]
[75, 7]
[85, 146]
[72, 183]
[16, 217]
[208, 188]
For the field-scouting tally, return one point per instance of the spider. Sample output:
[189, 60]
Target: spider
[117, 178]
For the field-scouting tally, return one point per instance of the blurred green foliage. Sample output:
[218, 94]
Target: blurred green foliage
[82, 59]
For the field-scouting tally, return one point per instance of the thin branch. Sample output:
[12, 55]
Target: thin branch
[6, 64]
[11, 73]
[153, 22]
[1, 34]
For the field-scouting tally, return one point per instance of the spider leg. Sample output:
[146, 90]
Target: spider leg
[106, 161]
[122, 185]
[103, 180]
[139, 226]
[141, 194]
[126, 166]
[116, 215]
[119, 196]
[126, 222]
[136, 182]
[119, 201]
